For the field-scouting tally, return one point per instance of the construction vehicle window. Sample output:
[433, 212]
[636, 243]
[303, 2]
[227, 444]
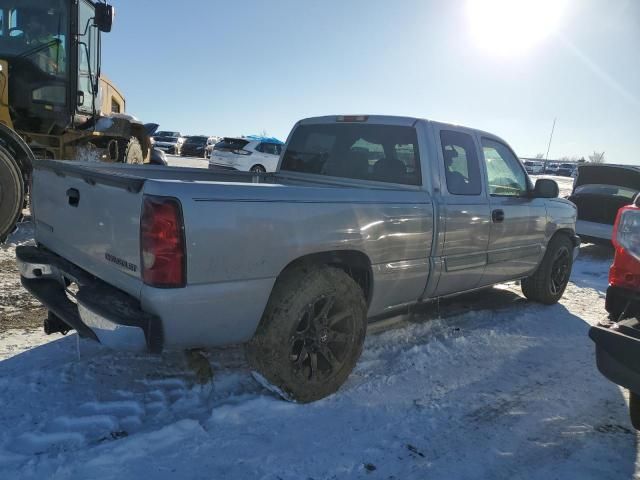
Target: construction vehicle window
[87, 55]
[39, 34]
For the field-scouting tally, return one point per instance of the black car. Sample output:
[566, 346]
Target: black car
[599, 191]
[566, 169]
[194, 146]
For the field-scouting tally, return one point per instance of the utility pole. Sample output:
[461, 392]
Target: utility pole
[550, 138]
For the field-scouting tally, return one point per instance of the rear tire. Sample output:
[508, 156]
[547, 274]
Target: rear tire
[258, 169]
[131, 152]
[12, 194]
[311, 334]
[549, 282]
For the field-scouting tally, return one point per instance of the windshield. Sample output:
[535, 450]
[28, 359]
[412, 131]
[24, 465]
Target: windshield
[196, 140]
[36, 31]
[160, 138]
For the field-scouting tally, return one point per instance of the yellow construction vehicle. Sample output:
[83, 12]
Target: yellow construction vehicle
[54, 102]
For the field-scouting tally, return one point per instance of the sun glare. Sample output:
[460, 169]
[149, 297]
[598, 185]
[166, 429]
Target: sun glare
[512, 27]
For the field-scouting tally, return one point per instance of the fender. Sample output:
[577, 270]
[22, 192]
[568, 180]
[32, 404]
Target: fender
[18, 148]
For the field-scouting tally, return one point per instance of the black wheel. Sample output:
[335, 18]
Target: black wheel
[12, 194]
[634, 409]
[258, 169]
[548, 283]
[311, 334]
[130, 151]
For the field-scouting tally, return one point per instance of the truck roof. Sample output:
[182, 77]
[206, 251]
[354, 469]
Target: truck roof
[390, 120]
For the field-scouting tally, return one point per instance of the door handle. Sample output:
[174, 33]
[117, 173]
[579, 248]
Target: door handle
[497, 216]
[74, 197]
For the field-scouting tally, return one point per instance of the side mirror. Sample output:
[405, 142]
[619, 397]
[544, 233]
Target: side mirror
[103, 18]
[546, 188]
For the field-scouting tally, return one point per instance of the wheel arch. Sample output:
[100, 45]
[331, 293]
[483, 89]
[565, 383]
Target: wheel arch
[16, 145]
[354, 263]
[568, 232]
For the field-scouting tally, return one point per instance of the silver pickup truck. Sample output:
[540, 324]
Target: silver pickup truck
[366, 216]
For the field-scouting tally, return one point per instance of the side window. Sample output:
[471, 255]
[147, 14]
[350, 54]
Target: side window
[505, 173]
[271, 148]
[461, 165]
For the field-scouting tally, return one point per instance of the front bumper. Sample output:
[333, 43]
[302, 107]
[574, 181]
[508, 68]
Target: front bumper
[96, 310]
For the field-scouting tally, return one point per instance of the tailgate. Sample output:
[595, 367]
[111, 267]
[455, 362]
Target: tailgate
[91, 217]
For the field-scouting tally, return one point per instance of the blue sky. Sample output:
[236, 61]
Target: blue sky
[241, 67]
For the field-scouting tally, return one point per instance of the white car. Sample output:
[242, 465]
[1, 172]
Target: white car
[167, 141]
[211, 141]
[534, 167]
[248, 154]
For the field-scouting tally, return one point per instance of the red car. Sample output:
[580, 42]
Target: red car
[618, 340]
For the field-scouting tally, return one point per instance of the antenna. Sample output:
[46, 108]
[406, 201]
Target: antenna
[550, 138]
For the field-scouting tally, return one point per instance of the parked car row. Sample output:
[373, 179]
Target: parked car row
[539, 167]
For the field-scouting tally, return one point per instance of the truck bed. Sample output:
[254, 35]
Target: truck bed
[241, 231]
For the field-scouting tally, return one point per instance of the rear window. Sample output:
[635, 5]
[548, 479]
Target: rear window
[382, 153]
[230, 144]
[607, 190]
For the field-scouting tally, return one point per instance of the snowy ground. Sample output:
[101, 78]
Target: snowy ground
[486, 386]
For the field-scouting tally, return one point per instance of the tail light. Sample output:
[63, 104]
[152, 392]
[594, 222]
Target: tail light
[625, 271]
[352, 118]
[626, 233]
[162, 245]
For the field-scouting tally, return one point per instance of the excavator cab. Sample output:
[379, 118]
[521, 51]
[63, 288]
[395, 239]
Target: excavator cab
[54, 102]
[52, 53]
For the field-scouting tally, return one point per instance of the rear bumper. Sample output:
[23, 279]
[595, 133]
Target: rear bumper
[594, 230]
[618, 353]
[97, 310]
[618, 344]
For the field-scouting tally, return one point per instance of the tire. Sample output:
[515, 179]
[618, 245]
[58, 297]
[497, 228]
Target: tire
[131, 152]
[258, 169]
[634, 409]
[548, 283]
[12, 194]
[311, 334]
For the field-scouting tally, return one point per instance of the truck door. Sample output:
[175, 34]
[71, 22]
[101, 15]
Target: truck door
[518, 221]
[465, 207]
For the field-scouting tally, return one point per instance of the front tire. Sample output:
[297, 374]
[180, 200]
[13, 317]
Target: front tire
[311, 334]
[12, 194]
[548, 283]
[132, 152]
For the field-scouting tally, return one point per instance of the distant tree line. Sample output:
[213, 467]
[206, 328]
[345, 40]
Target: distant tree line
[595, 157]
